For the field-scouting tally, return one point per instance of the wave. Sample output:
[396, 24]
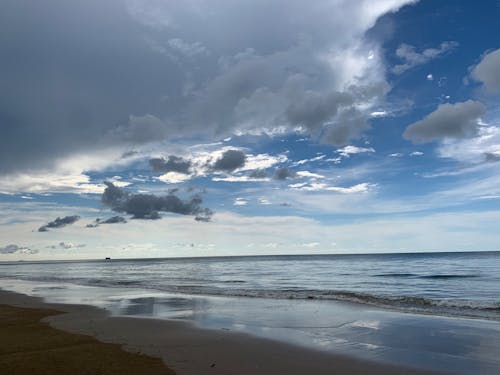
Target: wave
[451, 276]
[396, 275]
[435, 276]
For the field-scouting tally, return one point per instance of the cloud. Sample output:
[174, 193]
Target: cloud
[310, 245]
[304, 161]
[110, 220]
[412, 58]
[349, 125]
[492, 156]
[41, 182]
[310, 175]
[149, 206]
[230, 161]
[66, 245]
[113, 220]
[313, 109]
[488, 71]
[317, 186]
[59, 223]
[455, 121]
[240, 202]
[171, 164]
[258, 174]
[347, 151]
[284, 173]
[476, 150]
[167, 70]
[16, 249]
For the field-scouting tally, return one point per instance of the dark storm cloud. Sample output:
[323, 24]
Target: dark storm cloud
[458, 121]
[284, 173]
[258, 173]
[111, 220]
[229, 161]
[149, 206]
[171, 164]
[59, 223]
[76, 77]
[16, 249]
[86, 76]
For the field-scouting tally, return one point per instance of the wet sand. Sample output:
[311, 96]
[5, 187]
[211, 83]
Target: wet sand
[190, 350]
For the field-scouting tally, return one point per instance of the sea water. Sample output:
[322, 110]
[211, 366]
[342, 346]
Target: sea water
[458, 284]
[439, 311]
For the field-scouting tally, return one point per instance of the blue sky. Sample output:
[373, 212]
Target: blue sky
[151, 128]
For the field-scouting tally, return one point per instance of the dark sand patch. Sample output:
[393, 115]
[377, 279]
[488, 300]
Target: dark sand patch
[29, 346]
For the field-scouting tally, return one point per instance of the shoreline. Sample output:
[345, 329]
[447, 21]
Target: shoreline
[190, 350]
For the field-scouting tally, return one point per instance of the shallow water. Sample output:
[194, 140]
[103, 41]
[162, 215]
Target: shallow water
[455, 345]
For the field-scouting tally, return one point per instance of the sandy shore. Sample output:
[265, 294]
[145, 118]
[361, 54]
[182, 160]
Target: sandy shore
[189, 350]
[31, 347]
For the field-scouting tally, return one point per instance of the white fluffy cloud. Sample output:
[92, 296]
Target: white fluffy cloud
[351, 150]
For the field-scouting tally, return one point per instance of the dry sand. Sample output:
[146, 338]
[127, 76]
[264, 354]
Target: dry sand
[189, 350]
[30, 347]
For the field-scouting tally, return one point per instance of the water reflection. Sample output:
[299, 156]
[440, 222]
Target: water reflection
[462, 346]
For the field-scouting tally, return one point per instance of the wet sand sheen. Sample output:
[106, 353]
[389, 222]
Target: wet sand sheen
[189, 350]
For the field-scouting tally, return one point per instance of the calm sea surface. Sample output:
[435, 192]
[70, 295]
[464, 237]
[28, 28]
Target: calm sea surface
[456, 284]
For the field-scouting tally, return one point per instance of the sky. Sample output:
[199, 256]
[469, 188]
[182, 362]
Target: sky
[160, 128]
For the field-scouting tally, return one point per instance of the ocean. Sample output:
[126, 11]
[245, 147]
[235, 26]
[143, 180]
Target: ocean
[465, 284]
[439, 311]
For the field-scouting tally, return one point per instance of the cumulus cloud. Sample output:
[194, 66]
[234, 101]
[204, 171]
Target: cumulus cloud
[230, 161]
[412, 58]
[284, 173]
[455, 121]
[168, 70]
[171, 164]
[59, 223]
[488, 71]
[149, 206]
[16, 249]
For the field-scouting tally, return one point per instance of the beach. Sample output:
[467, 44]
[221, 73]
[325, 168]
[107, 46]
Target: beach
[31, 347]
[190, 350]
[431, 313]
